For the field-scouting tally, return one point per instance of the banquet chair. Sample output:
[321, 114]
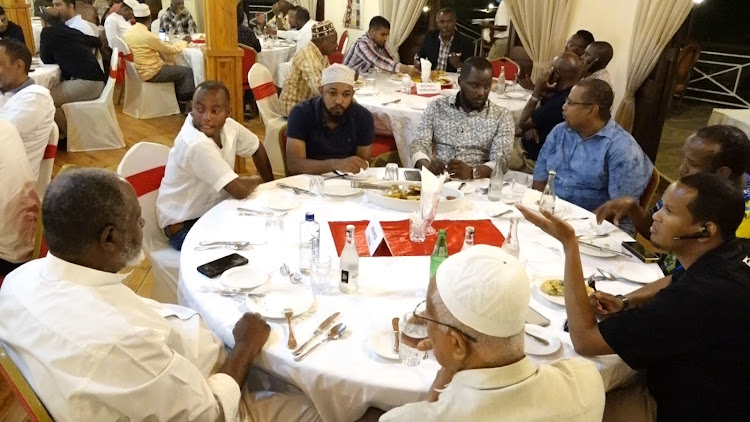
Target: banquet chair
[145, 100]
[105, 133]
[249, 57]
[48, 161]
[648, 193]
[335, 58]
[22, 390]
[143, 167]
[260, 80]
[343, 42]
[511, 68]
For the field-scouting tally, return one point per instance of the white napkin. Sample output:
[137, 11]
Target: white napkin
[426, 69]
[430, 195]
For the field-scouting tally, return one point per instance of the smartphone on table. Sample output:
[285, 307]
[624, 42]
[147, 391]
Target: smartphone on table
[413, 175]
[638, 250]
[217, 267]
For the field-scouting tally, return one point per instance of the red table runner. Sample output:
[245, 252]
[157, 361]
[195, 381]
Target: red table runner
[397, 241]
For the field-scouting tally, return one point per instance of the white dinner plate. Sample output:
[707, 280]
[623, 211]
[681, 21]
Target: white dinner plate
[282, 202]
[363, 174]
[243, 277]
[516, 95]
[557, 300]
[533, 347]
[339, 188]
[381, 342]
[366, 92]
[467, 189]
[276, 298]
[417, 105]
[605, 243]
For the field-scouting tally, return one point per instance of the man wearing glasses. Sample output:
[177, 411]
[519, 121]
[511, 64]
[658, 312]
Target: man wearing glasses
[595, 158]
[475, 308]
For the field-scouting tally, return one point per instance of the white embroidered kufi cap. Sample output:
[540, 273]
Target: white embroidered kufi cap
[141, 10]
[338, 73]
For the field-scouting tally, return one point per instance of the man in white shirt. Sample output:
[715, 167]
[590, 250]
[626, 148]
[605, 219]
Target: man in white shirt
[72, 19]
[299, 20]
[200, 169]
[119, 22]
[475, 310]
[499, 31]
[93, 350]
[19, 202]
[25, 104]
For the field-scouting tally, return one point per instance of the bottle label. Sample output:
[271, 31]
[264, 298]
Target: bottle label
[345, 276]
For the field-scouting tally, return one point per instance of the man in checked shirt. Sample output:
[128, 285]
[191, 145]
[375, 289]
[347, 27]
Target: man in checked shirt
[369, 51]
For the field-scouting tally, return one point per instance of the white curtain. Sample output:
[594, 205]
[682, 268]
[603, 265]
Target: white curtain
[403, 15]
[310, 5]
[656, 22]
[542, 26]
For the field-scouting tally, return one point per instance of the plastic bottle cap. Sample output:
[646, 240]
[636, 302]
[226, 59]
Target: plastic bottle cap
[309, 216]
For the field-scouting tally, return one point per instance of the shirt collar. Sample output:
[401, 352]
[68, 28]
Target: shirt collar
[72, 20]
[607, 131]
[494, 378]
[192, 132]
[57, 269]
[26, 84]
[454, 101]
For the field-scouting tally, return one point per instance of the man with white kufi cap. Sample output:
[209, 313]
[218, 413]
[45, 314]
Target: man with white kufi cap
[331, 131]
[475, 309]
[303, 80]
[117, 23]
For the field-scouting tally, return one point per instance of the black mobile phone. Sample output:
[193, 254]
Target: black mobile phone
[638, 250]
[215, 268]
[413, 175]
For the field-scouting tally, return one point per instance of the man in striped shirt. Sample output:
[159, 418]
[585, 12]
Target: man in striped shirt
[369, 51]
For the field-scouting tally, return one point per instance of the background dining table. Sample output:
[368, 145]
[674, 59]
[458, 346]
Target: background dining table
[46, 75]
[345, 377]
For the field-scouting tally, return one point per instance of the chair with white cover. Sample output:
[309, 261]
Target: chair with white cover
[92, 125]
[144, 100]
[48, 161]
[143, 167]
[269, 107]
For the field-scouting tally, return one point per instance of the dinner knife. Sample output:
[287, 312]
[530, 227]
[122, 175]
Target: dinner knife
[603, 249]
[294, 189]
[321, 328]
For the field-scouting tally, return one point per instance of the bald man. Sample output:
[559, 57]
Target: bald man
[595, 60]
[543, 111]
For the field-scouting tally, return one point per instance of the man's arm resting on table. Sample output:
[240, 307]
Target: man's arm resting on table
[242, 187]
[298, 163]
[263, 164]
[539, 185]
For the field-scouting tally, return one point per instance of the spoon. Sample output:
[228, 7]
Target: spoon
[506, 212]
[609, 276]
[234, 246]
[333, 334]
[394, 323]
[294, 278]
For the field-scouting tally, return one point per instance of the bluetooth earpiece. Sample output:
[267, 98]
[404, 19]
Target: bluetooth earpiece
[697, 235]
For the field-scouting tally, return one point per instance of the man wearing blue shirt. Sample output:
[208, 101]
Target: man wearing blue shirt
[331, 131]
[595, 159]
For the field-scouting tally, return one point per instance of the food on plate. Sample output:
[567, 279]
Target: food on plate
[359, 84]
[555, 287]
[410, 194]
[441, 81]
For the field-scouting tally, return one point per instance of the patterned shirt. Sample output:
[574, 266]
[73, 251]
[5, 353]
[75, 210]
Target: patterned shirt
[603, 75]
[366, 54]
[170, 22]
[478, 137]
[609, 164]
[303, 79]
[443, 53]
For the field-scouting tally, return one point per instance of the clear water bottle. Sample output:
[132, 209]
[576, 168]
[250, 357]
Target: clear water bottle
[496, 182]
[440, 253]
[468, 238]
[511, 245]
[163, 35]
[349, 261]
[547, 202]
[500, 87]
[309, 243]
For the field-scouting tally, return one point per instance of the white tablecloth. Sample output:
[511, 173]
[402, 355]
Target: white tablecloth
[344, 378]
[731, 116]
[403, 118]
[271, 57]
[193, 58]
[47, 75]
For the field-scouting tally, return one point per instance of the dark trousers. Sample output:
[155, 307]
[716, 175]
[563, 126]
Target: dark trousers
[178, 238]
[182, 76]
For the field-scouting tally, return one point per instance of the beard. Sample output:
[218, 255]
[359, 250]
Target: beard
[337, 119]
[134, 256]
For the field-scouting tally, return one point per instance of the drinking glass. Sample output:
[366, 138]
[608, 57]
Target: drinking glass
[391, 172]
[316, 185]
[320, 276]
[406, 84]
[416, 228]
[370, 84]
[274, 227]
[517, 189]
[427, 210]
[412, 331]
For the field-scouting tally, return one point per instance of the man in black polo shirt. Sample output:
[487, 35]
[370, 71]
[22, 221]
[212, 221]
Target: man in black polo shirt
[71, 50]
[690, 332]
[330, 132]
[9, 29]
[550, 93]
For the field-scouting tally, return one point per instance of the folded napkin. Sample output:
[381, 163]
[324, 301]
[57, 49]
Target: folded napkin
[430, 195]
[426, 69]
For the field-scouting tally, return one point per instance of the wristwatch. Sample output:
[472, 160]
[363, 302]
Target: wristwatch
[475, 173]
[625, 301]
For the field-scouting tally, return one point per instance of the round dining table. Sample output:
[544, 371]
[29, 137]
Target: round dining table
[46, 75]
[346, 376]
[402, 118]
[273, 53]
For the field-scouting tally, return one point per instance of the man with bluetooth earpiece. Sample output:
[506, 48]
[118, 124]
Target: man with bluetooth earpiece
[688, 330]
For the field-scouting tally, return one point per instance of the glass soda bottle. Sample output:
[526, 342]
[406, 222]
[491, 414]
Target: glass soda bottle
[439, 254]
[496, 182]
[547, 201]
[468, 238]
[349, 282]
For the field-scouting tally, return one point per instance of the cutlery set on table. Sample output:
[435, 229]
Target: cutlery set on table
[334, 333]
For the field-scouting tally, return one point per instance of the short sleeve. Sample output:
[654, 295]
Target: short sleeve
[365, 127]
[247, 142]
[206, 164]
[299, 122]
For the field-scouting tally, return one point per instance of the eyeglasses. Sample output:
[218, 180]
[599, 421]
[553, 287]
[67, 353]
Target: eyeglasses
[572, 103]
[423, 307]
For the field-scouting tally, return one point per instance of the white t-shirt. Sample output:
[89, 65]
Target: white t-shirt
[197, 171]
[32, 111]
[19, 201]
[565, 391]
[115, 26]
[303, 36]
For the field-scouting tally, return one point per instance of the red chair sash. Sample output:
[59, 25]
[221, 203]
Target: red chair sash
[146, 181]
[263, 91]
[49, 152]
